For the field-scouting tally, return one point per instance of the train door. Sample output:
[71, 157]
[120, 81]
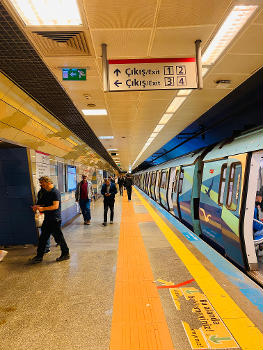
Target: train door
[157, 183]
[252, 217]
[149, 183]
[170, 189]
[152, 185]
[163, 188]
[185, 194]
[144, 181]
[230, 215]
[174, 192]
[211, 200]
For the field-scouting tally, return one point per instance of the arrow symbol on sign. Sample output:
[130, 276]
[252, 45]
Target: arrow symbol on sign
[72, 74]
[190, 291]
[117, 83]
[117, 71]
[217, 340]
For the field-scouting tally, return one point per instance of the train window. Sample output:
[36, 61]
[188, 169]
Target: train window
[175, 181]
[233, 186]
[163, 179]
[181, 179]
[222, 184]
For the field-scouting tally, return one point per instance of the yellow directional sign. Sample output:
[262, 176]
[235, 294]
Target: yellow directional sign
[213, 334]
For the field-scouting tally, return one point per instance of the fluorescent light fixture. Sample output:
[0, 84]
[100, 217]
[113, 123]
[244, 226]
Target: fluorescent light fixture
[106, 137]
[94, 111]
[165, 118]
[48, 12]
[158, 128]
[175, 104]
[154, 134]
[112, 149]
[184, 92]
[227, 32]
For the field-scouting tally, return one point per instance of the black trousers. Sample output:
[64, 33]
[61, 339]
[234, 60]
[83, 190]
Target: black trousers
[108, 203]
[51, 228]
[129, 192]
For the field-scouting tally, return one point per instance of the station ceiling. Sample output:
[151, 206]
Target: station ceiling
[143, 29]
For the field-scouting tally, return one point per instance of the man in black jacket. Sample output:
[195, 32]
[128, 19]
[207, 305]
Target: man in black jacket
[51, 206]
[128, 184]
[108, 190]
[121, 183]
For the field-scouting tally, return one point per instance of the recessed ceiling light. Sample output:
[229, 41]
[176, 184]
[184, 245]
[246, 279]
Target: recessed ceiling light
[175, 104]
[106, 137]
[236, 19]
[158, 128]
[184, 92]
[165, 118]
[48, 12]
[94, 111]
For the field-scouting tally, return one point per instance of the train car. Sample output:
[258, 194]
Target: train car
[213, 193]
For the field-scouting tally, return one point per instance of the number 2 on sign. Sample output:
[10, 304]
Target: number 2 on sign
[181, 81]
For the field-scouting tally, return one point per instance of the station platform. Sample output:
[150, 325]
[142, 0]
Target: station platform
[141, 283]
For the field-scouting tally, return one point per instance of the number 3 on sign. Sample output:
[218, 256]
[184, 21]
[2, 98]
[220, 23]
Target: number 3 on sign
[181, 81]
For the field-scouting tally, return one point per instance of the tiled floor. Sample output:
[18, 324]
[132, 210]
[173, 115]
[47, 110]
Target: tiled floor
[106, 296]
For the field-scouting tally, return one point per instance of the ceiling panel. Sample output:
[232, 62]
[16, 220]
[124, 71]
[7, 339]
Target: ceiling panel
[191, 12]
[235, 79]
[239, 64]
[127, 14]
[122, 43]
[254, 43]
[169, 43]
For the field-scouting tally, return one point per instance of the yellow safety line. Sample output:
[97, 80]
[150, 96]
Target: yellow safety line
[242, 328]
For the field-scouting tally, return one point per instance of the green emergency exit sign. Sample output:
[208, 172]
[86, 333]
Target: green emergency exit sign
[73, 74]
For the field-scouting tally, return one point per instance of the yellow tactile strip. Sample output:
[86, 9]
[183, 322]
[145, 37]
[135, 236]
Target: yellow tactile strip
[138, 321]
[242, 328]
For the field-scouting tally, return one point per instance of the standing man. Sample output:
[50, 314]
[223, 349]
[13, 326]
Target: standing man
[84, 194]
[121, 183]
[108, 190]
[128, 184]
[51, 207]
[40, 199]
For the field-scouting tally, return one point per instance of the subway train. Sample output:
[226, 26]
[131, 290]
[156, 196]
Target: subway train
[212, 191]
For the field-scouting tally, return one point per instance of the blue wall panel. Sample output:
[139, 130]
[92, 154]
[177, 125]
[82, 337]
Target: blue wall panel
[17, 224]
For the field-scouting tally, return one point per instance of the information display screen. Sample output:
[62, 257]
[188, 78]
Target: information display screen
[71, 178]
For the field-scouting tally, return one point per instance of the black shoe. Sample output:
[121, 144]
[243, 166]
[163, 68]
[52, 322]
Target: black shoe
[36, 259]
[104, 223]
[111, 222]
[63, 257]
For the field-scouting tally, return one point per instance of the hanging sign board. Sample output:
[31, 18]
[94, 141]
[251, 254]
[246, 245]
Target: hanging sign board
[152, 74]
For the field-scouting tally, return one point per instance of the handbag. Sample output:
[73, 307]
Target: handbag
[39, 218]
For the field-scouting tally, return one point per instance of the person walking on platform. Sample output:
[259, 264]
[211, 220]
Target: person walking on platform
[121, 183]
[51, 207]
[108, 190]
[40, 199]
[83, 195]
[128, 184]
